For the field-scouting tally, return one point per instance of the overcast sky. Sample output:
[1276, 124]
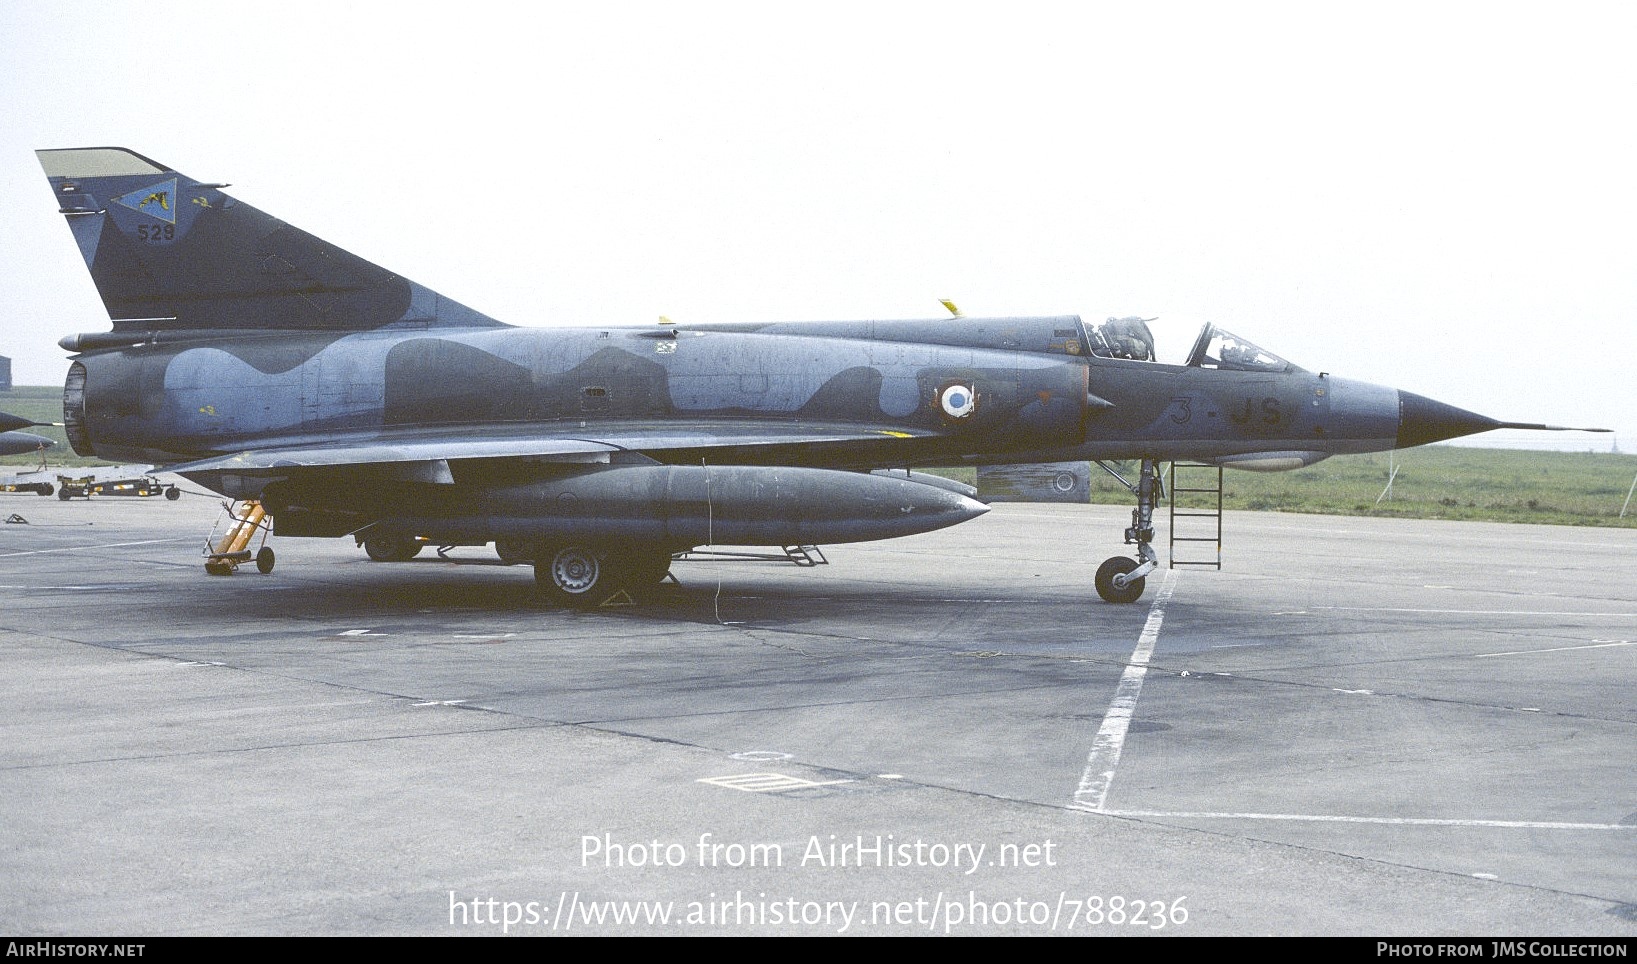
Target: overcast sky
[1436, 197]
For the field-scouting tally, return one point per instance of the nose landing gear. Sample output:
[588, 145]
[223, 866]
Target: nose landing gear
[1120, 579]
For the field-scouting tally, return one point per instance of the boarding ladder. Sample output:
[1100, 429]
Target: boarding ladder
[1196, 502]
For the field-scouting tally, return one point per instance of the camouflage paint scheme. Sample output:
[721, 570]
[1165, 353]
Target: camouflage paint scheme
[264, 362]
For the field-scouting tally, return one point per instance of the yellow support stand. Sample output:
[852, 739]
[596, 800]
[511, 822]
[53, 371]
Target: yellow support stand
[222, 558]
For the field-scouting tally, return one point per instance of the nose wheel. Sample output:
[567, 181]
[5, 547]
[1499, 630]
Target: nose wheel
[1121, 579]
[1115, 582]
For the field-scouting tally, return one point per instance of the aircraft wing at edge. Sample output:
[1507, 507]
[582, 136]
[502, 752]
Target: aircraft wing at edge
[590, 444]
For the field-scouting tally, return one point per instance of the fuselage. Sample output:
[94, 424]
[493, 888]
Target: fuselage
[1038, 390]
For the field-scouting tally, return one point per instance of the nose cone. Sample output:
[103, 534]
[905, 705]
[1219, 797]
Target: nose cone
[1422, 420]
[9, 421]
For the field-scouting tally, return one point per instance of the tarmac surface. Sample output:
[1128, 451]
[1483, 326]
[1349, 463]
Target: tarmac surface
[1359, 726]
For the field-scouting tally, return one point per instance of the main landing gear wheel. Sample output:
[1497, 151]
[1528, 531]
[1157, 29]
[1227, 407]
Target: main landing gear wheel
[1119, 566]
[579, 577]
[390, 548]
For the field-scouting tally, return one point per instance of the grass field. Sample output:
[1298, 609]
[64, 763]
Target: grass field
[1440, 482]
[1433, 482]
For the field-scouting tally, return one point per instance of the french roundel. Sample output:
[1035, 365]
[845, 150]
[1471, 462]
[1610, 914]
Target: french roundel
[958, 400]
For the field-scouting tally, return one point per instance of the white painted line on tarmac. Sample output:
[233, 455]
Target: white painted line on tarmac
[1396, 821]
[111, 545]
[91, 588]
[1471, 612]
[1560, 649]
[1105, 749]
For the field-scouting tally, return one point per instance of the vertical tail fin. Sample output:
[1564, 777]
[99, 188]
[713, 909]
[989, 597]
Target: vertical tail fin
[168, 253]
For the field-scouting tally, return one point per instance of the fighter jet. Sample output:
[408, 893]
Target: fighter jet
[17, 443]
[263, 362]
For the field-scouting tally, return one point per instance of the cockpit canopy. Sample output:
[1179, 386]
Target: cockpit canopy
[1224, 350]
[1122, 338]
[1130, 338]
